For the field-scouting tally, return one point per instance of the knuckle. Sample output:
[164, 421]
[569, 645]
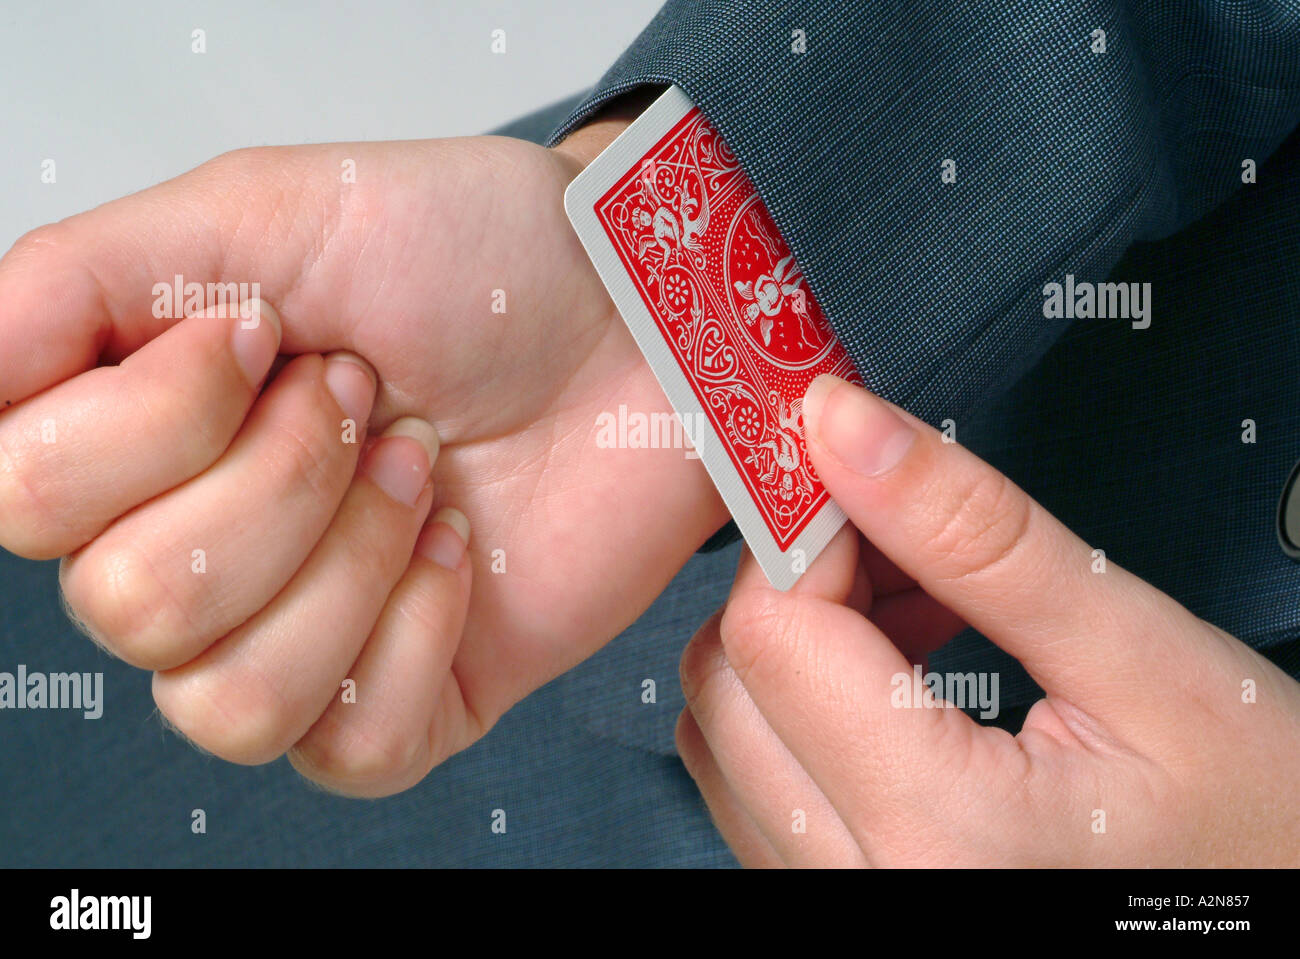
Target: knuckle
[272, 175]
[979, 528]
[302, 455]
[361, 756]
[701, 662]
[369, 547]
[245, 161]
[427, 608]
[275, 174]
[33, 244]
[751, 627]
[684, 738]
[195, 430]
[28, 527]
[124, 604]
[690, 742]
[231, 713]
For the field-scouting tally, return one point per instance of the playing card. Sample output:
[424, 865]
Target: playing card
[721, 311]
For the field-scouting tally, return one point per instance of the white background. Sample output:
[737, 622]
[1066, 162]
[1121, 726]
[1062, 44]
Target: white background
[113, 94]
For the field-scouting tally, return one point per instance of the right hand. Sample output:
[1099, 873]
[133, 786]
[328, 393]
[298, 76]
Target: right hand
[306, 582]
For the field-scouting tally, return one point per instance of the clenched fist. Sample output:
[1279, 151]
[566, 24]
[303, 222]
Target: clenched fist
[223, 528]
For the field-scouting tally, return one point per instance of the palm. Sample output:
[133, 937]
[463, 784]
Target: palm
[402, 267]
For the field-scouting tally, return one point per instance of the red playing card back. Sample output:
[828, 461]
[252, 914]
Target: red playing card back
[733, 307]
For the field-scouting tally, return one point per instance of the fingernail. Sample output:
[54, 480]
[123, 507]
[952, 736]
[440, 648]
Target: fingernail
[445, 537]
[857, 428]
[401, 461]
[255, 342]
[351, 382]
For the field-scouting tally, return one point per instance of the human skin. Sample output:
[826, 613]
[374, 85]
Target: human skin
[1161, 740]
[165, 444]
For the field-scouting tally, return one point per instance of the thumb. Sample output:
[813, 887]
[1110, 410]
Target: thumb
[981, 546]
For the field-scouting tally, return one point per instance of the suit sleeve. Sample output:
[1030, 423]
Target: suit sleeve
[1074, 127]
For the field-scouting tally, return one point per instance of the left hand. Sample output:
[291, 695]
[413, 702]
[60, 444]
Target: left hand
[165, 444]
[1161, 740]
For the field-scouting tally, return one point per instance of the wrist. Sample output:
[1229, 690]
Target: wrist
[588, 141]
[702, 510]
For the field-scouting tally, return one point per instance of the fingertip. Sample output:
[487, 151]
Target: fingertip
[445, 538]
[863, 433]
[814, 398]
[419, 430]
[352, 382]
[253, 312]
[455, 519]
[347, 356]
[255, 340]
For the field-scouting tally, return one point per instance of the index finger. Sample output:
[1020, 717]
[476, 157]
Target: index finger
[101, 284]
